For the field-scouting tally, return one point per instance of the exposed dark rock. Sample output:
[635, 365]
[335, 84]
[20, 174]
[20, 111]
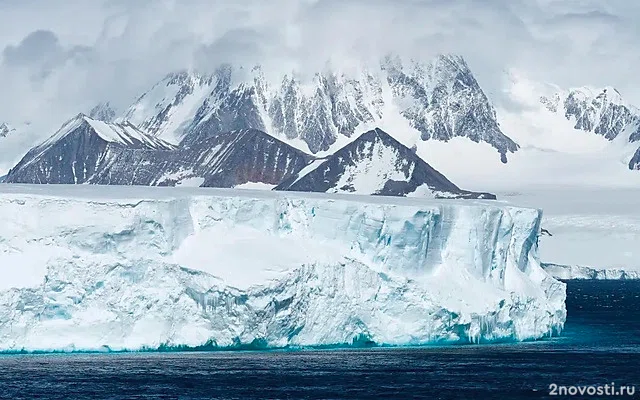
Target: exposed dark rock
[224, 160]
[376, 163]
[441, 100]
[634, 164]
[77, 151]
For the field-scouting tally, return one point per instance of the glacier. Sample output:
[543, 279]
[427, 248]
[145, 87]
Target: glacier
[567, 272]
[128, 268]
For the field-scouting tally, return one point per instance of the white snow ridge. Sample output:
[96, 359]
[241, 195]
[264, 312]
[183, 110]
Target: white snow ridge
[87, 268]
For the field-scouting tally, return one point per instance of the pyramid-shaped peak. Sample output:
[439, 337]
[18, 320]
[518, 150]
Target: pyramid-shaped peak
[376, 163]
[124, 134]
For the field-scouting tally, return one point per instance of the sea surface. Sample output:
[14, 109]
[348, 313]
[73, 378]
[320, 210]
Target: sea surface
[600, 346]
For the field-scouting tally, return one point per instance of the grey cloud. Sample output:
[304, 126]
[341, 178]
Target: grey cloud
[40, 52]
[594, 15]
[38, 47]
[237, 46]
[568, 42]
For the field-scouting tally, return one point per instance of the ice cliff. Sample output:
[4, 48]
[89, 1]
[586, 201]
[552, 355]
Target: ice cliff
[567, 272]
[127, 268]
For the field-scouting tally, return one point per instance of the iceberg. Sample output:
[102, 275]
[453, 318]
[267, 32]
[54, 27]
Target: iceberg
[568, 272]
[127, 268]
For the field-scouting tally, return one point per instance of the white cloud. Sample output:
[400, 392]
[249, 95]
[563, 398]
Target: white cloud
[60, 57]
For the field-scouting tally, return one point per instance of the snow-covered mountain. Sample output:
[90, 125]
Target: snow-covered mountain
[171, 104]
[552, 151]
[436, 109]
[230, 160]
[90, 268]
[77, 150]
[603, 112]
[376, 163]
[444, 101]
[599, 111]
[103, 112]
[434, 101]
[85, 150]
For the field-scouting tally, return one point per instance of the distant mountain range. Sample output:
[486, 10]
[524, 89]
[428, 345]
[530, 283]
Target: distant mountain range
[85, 150]
[440, 100]
[234, 127]
[601, 112]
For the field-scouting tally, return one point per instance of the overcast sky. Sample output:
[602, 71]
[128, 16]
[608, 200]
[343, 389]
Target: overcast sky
[60, 57]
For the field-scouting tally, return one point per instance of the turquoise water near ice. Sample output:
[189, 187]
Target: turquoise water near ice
[600, 345]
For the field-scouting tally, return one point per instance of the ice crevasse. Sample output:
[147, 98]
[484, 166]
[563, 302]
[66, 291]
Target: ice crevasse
[89, 268]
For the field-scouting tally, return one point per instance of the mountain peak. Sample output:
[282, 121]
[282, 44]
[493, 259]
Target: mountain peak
[376, 163]
[452, 62]
[103, 112]
[77, 150]
[601, 111]
[187, 77]
[166, 109]
[124, 133]
[319, 112]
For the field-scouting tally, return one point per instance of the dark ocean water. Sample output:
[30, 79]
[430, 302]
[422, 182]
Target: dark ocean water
[600, 345]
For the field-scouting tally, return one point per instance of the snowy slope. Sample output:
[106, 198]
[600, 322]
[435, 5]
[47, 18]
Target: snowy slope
[415, 102]
[75, 152]
[170, 105]
[96, 267]
[123, 134]
[443, 100]
[600, 111]
[127, 135]
[552, 151]
[375, 163]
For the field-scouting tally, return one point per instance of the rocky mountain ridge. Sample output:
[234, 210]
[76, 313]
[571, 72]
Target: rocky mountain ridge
[85, 150]
[599, 111]
[438, 101]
